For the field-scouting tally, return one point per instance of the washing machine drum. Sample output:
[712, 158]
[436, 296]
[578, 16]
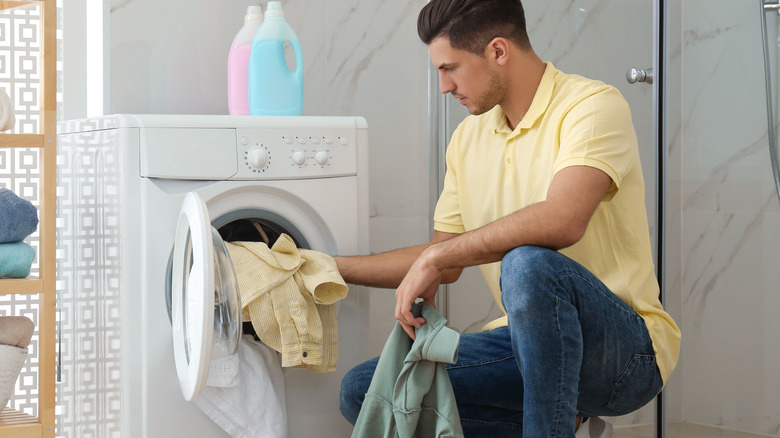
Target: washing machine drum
[205, 305]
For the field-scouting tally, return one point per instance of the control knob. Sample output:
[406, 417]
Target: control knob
[299, 157]
[321, 157]
[258, 158]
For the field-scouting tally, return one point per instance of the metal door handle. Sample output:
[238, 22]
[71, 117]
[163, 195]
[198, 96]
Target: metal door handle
[634, 75]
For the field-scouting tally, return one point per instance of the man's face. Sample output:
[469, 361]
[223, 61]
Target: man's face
[468, 77]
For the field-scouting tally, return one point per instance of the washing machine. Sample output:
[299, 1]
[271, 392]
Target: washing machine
[125, 182]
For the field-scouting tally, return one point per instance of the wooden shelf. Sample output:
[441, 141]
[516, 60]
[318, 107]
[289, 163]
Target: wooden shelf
[21, 140]
[15, 424]
[18, 424]
[8, 4]
[30, 285]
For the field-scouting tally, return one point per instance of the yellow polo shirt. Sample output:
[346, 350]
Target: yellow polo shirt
[493, 171]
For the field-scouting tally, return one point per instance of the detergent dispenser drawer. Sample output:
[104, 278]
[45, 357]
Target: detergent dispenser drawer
[188, 153]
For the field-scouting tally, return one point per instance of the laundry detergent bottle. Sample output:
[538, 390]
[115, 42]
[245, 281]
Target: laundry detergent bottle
[238, 62]
[274, 90]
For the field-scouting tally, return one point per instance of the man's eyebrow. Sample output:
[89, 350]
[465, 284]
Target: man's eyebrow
[446, 65]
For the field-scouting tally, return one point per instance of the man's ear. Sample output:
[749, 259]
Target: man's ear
[497, 50]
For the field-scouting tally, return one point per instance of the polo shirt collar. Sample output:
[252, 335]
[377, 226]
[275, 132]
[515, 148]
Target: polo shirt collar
[538, 105]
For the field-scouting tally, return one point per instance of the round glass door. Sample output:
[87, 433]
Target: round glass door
[192, 296]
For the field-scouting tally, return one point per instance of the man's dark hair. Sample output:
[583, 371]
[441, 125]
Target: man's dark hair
[471, 24]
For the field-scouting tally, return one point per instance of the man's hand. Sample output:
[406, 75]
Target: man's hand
[422, 281]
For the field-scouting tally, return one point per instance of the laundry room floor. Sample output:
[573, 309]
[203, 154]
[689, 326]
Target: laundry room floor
[683, 430]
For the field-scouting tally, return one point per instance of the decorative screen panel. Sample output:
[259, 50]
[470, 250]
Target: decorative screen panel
[88, 275]
[20, 62]
[20, 79]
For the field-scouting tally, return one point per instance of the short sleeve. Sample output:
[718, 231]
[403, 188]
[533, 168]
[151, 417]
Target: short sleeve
[597, 131]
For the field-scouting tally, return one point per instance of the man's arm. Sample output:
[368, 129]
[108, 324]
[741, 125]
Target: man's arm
[388, 269]
[557, 222]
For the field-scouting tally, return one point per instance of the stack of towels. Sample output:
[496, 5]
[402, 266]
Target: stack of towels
[18, 219]
[15, 335]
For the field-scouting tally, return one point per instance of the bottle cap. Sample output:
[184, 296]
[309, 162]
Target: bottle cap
[253, 13]
[274, 9]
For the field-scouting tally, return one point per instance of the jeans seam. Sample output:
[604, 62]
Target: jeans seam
[503, 423]
[480, 363]
[558, 408]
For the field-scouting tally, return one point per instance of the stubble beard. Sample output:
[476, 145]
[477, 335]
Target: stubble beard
[492, 96]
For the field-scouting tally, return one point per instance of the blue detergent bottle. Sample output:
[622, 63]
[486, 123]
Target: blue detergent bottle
[273, 89]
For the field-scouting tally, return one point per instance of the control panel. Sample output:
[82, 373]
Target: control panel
[279, 153]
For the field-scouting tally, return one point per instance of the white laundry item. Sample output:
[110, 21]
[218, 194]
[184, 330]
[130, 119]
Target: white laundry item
[256, 408]
[224, 371]
[11, 360]
[6, 111]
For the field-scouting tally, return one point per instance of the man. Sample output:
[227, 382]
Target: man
[543, 190]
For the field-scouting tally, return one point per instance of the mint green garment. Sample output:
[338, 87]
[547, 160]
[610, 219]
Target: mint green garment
[410, 395]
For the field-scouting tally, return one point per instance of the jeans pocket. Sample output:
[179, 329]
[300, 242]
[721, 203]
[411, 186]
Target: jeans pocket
[639, 383]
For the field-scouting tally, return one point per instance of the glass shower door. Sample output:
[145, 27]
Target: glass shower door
[727, 221]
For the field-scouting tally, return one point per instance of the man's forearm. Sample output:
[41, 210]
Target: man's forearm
[385, 270]
[388, 269]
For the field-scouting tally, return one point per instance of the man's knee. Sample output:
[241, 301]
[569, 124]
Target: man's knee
[525, 270]
[526, 263]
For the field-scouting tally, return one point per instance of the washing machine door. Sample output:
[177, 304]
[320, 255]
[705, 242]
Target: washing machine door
[203, 284]
[192, 295]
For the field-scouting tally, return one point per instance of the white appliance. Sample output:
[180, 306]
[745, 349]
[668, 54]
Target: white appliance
[122, 183]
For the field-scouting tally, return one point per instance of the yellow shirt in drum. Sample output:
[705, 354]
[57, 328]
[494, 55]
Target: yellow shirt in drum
[288, 295]
[493, 171]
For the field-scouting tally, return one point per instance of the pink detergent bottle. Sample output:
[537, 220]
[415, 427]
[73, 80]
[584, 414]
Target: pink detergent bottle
[238, 62]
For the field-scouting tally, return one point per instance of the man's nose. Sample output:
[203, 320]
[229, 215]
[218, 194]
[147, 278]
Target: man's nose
[445, 85]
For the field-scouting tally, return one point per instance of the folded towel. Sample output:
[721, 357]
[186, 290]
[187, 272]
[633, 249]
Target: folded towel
[6, 112]
[18, 217]
[16, 330]
[16, 259]
[11, 360]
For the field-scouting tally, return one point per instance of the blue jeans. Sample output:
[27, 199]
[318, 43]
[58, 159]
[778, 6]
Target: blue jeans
[571, 348]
